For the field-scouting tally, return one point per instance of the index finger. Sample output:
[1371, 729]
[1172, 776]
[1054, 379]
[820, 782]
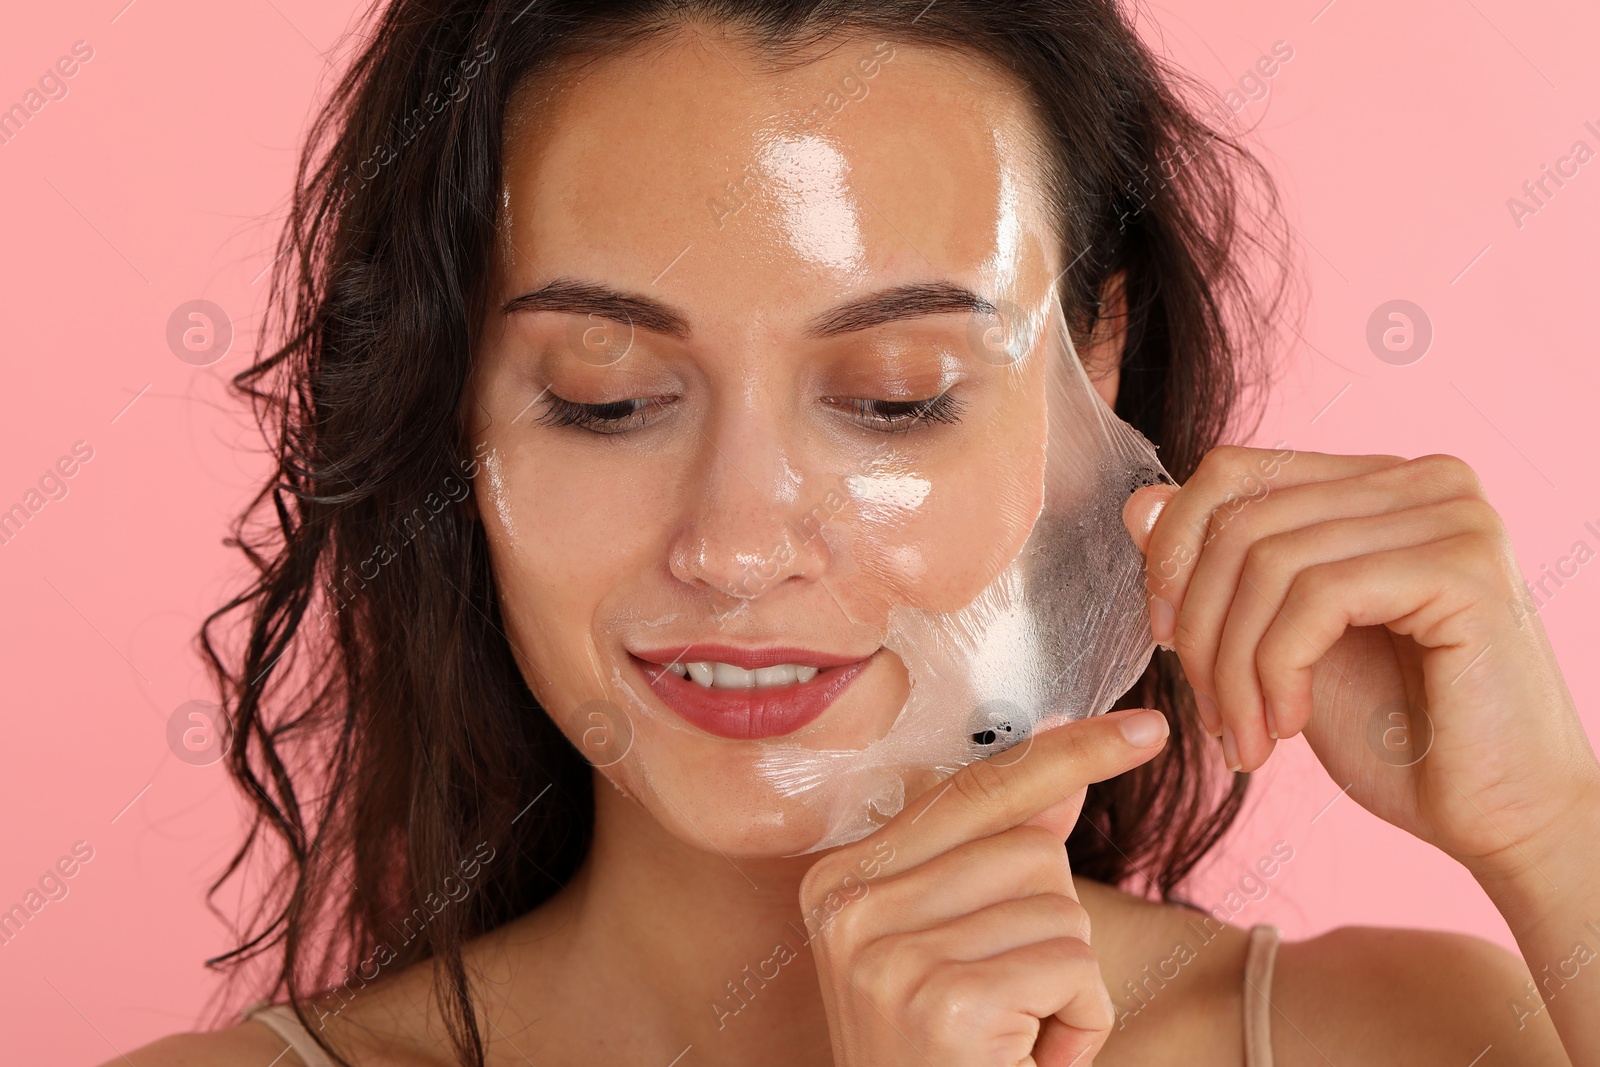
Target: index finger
[988, 797]
[1231, 476]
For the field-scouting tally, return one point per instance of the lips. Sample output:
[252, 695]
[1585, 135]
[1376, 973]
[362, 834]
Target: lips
[748, 713]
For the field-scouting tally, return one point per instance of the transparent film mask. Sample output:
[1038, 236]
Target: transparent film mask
[1041, 621]
[1058, 634]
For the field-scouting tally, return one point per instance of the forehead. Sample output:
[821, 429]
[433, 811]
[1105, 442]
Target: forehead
[691, 164]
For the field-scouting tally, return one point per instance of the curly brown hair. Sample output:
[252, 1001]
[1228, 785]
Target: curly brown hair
[382, 729]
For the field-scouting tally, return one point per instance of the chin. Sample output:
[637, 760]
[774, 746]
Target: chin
[780, 829]
[712, 796]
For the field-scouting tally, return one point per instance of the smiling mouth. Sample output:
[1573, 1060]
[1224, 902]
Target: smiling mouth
[748, 694]
[715, 675]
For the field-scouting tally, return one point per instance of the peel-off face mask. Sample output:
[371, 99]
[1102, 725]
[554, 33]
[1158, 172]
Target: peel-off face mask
[880, 461]
[1057, 629]
[1058, 634]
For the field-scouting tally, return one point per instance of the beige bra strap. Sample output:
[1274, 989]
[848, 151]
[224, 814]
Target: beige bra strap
[1258, 963]
[280, 1019]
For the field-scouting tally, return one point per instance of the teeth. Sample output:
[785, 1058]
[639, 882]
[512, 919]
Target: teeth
[726, 676]
[782, 674]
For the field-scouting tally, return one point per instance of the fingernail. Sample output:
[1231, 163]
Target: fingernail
[1143, 728]
[1230, 749]
[1141, 518]
[1272, 723]
[1209, 717]
[1162, 621]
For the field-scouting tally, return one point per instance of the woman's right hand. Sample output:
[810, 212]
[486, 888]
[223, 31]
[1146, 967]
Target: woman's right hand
[953, 935]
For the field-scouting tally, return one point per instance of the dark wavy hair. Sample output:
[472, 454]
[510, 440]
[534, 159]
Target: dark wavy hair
[381, 728]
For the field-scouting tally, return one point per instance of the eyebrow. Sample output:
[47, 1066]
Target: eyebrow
[909, 301]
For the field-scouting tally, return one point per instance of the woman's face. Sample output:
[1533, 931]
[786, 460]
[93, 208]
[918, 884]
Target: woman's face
[740, 391]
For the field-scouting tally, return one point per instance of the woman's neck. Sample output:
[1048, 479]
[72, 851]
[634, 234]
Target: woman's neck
[657, 945]
[676, 945]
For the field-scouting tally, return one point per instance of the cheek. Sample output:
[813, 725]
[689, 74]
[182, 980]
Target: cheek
[560, 544]
[980, 505]
[559, 547]
[565, 530]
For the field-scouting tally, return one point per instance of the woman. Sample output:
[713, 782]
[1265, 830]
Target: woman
[575, 254]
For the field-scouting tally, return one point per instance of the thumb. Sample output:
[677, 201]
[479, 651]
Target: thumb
[1142, 509]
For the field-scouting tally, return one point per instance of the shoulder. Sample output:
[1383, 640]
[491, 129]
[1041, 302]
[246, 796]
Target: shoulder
[391, 1019]
[1352, 995]
[252, 1044]
[1374, 995]
[248, 1044]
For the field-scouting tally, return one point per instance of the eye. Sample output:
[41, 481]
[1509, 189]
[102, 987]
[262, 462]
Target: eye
[617, 416]
[900, 416]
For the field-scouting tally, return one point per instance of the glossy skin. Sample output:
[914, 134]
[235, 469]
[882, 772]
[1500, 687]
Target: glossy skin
[962, 937]
[679, 525]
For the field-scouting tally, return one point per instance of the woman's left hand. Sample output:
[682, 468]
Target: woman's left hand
[1375, 603]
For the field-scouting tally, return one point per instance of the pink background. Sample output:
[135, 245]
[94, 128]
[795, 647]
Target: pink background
[1397, 132]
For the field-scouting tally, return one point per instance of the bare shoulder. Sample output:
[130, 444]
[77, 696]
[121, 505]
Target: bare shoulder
[253, 1044]
[1373, 995]
[390, 1019]
[1364, 995]
[248, 1044]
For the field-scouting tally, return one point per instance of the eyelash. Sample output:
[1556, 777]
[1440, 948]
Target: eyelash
[884, 416]
[610, 418]
[902, 416]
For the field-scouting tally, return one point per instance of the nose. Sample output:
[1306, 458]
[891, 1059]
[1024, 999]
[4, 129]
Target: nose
[755, 519]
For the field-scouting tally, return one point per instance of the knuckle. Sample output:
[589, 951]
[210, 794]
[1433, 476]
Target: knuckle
[950, 1006]
[1189, 638]
[825, 876]
[1448, 471]
[1306, 589]
[982, 786]
[1223, 460]
[1073, 917]
[1050, 860]
[1270, 555]
[1075, 953]
[1045, 857]
[1231, 522]
[1478, 556]
[884, 969]
[1313, 586]
[846, 927]
[1228, 672]
[812, 881]
[1313, 583]
[1477, 515]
